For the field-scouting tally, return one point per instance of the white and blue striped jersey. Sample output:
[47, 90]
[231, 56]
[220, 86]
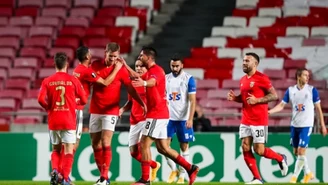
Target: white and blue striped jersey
[302, 101]
[177, 90]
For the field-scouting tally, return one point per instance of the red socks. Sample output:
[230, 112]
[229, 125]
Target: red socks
[251, 163]
[55, 160]
[145, 168]
[107, 157]
[67, 165]
[137, 156]
[182, 162]
[270, 154]
[98, 155]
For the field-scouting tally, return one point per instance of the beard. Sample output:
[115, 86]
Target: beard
[176, 73]
[247, 69]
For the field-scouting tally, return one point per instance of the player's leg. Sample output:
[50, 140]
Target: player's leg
[185, 136]
[108, 127]
[245, 134]
[95, 127]
[304, 141]
[259, 134]
[171, 130]
[68, 139]
[79, 127]
[55, 155]
[160, 133]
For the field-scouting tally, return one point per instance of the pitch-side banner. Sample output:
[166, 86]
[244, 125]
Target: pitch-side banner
[27, 157]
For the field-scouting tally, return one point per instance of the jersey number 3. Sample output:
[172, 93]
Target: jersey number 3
[62, 96]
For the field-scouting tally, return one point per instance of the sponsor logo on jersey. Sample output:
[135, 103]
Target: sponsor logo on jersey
[175, 96]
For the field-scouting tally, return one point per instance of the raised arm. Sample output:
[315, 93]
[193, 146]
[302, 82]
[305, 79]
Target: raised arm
[109, 79]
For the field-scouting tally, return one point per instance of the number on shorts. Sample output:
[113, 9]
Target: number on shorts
[259, 133]
[62, 95]
[112, 121]
[147, 125]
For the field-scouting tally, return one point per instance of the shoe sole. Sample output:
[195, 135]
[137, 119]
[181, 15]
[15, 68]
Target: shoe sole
[54, 179]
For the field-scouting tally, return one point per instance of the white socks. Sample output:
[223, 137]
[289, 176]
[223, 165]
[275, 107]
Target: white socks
[306, 168]
[300, 163]
[171, 164]
[185, 155]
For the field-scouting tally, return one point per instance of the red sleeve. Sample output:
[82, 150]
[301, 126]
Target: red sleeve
[129, 97]
[90, 75]
[79, 91]
[42, 95]
[266, 83]
[124, 76]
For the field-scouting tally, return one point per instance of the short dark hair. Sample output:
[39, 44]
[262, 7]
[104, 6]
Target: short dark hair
[299, 72]
[176, 57]
[60, 60]
[253, 55]
[82, 52]
[112, 47]
[149, 51]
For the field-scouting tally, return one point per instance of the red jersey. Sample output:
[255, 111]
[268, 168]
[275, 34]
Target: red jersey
[156, 95]
[105, 100]
[137, 113]
[58, 95]
[258, 85]
[86, 76]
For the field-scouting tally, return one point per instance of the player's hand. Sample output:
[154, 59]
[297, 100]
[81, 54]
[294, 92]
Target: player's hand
[231, 96]
[251, 99]
[120, 112]
[323, 131]
[137, 82]
[189, 123]
[118, 65]
[122, 60]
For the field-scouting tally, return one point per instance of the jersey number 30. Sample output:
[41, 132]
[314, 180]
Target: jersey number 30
[62, 96]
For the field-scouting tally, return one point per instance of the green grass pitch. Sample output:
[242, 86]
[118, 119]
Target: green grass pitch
[128, 183]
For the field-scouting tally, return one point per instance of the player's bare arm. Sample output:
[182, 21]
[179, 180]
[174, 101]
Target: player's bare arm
[192, 99]
[132, 73]
[277, 108]
[271, 96]
[109, 79]
[126, 107]
[323, 128]
[138, 82]
[232, 97]
[131, 90]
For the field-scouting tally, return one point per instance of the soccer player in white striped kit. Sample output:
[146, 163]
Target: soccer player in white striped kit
[181, 95]
[304, 98]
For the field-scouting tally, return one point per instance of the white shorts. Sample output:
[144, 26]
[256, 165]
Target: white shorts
[99, 122]
[135, 133]
[156, 128]
[79, 123]
[62, 136]
[259, 133]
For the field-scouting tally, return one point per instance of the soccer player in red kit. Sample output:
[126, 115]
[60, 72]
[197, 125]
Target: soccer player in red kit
[255, 93]
[104, 108]
[58, 96]
[138, 121]
[157, 118]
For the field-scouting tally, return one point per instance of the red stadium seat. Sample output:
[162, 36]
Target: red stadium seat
[42, 31]
[78, 32]
[242, 43]
[43, 42]
[27, 11]
[119, 3]
[77, 22]
[33, 52]
[230, 84]
[97, 53]
[6, 12]
[22, 84]
[284, 122]
[22, 62]
[58, 3]
[8, 53]
[12, 42]
[32, 93]
[87, 3]
[71, 42]
[103, 22]
[275, 73]
[212, 104]
[247, 13]
[54, 12]
[5, 63]
[28, 3]
[271, 3]
[45, 72]
[28, 119]
[54, 22]
[231, 122]
[207, 84]
[69, 52]
[230, 104]
[21, 73]
[271, 32]
[204, 52]
[95, 32]
[17, 95]
[121, 32]
[283, 84]
[218, 74]
[264, 43]
[217, 94]
[11, 31]
[141, 13]
[3, 20]
[96, 42]
[201, 94]
[3, 75]
[314, 42]
[8, 3]
[312, 21]
[86, 12]
[7, 105]
[294, 64]
[319, 84]
[278, 53]
[110, 12]
[49, 62]
[25, 21]
[125, 44]
[31, 103]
